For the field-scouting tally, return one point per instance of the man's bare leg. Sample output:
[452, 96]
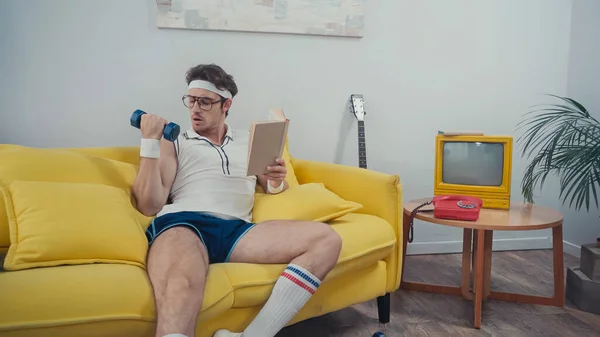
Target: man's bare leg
[311, 250]
[177, 267]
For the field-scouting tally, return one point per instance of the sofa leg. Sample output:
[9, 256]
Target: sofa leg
[383, 308]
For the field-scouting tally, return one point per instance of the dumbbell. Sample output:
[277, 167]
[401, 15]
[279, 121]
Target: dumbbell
[379, 334]
[171, 131]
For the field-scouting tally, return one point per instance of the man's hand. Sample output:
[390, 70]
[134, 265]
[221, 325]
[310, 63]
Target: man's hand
[273, 181]
[152, 126]
[276, 173]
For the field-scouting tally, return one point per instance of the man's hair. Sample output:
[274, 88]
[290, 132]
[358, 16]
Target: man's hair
[214, 74]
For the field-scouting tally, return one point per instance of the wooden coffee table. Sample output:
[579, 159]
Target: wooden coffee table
[479, 234]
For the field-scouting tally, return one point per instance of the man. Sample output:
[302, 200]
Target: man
[208, 216]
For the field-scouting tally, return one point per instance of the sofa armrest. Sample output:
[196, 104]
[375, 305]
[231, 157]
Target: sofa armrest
[379, 193]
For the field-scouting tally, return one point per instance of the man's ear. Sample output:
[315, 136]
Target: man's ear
[227, 105]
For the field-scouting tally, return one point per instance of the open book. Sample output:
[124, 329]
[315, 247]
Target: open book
[267, 140]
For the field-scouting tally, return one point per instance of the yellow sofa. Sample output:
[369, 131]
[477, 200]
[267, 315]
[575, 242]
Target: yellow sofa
[115, 299]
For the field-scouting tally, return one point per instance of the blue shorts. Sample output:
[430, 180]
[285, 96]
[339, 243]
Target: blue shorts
[219, 236]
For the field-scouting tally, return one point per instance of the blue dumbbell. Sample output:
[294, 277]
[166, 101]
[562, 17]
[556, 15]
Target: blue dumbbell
[379, 334]
[171, 131]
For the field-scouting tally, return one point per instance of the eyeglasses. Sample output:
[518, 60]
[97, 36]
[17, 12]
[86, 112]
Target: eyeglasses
[204, 103]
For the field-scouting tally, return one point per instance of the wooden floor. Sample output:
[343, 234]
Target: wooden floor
[422, 314]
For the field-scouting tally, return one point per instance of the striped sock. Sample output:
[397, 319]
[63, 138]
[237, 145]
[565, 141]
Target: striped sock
[292, 290]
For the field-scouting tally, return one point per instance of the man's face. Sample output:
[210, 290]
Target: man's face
[208, 112]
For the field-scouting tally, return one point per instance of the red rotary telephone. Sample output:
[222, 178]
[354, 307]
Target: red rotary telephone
[452, 207]
[456, 207]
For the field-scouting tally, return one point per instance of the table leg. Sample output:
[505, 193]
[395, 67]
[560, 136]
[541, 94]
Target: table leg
[405, 229]
[487, 263]
[558, 299]
[559, 268]
[475, 244]
[419, 286]
[478, 276]
[466, 264]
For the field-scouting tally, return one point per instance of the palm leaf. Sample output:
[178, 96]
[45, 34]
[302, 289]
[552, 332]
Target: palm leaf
[562, 140]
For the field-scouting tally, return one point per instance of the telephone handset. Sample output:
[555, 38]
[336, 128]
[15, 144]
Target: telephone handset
[452, 207]
[462, 201]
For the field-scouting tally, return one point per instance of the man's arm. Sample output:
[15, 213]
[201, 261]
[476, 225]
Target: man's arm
[154, 180]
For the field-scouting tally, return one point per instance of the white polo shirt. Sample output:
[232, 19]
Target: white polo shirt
[212, 178]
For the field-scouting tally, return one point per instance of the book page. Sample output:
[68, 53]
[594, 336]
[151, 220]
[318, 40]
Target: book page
[276, 114]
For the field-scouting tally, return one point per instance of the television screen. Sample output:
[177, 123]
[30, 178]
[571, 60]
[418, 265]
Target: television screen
[473, 163]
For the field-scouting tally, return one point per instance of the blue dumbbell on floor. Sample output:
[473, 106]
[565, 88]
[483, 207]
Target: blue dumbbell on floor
[379, 334]
[171, 131]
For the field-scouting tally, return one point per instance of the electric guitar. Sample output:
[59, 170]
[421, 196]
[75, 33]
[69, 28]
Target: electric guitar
[357, 107]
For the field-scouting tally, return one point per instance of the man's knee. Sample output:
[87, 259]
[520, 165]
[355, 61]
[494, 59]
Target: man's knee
[184, 284]
[328, 241]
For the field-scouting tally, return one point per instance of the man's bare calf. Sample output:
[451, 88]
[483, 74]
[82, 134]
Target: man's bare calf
[177, 267]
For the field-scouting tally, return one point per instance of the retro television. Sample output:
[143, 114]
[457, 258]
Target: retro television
[474, 165]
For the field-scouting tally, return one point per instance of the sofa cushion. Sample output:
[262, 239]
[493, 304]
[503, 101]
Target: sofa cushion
[366, 239]
[81, 295]
[53, 223]
[39, 164]
[308, 202]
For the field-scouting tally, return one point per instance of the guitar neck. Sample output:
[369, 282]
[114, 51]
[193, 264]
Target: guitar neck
[362, 149]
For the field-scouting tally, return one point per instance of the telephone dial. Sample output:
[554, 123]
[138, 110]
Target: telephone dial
[452, 207]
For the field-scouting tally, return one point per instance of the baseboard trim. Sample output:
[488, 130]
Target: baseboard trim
[571, 249]
[452, 247]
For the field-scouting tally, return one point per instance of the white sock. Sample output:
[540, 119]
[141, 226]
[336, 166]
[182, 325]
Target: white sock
[174, 335]
[292, 290]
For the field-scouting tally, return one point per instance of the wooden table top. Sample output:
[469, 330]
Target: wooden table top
[520, 217]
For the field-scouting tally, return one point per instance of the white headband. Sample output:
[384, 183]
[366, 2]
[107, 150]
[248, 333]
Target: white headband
[200, 84]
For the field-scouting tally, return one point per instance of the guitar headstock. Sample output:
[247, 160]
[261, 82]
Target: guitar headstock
[357, 105]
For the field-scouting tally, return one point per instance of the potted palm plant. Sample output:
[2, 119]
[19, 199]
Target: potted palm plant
[564, 140]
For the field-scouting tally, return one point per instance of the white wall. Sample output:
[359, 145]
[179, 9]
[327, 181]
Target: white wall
[584, 86]
[73, 71]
